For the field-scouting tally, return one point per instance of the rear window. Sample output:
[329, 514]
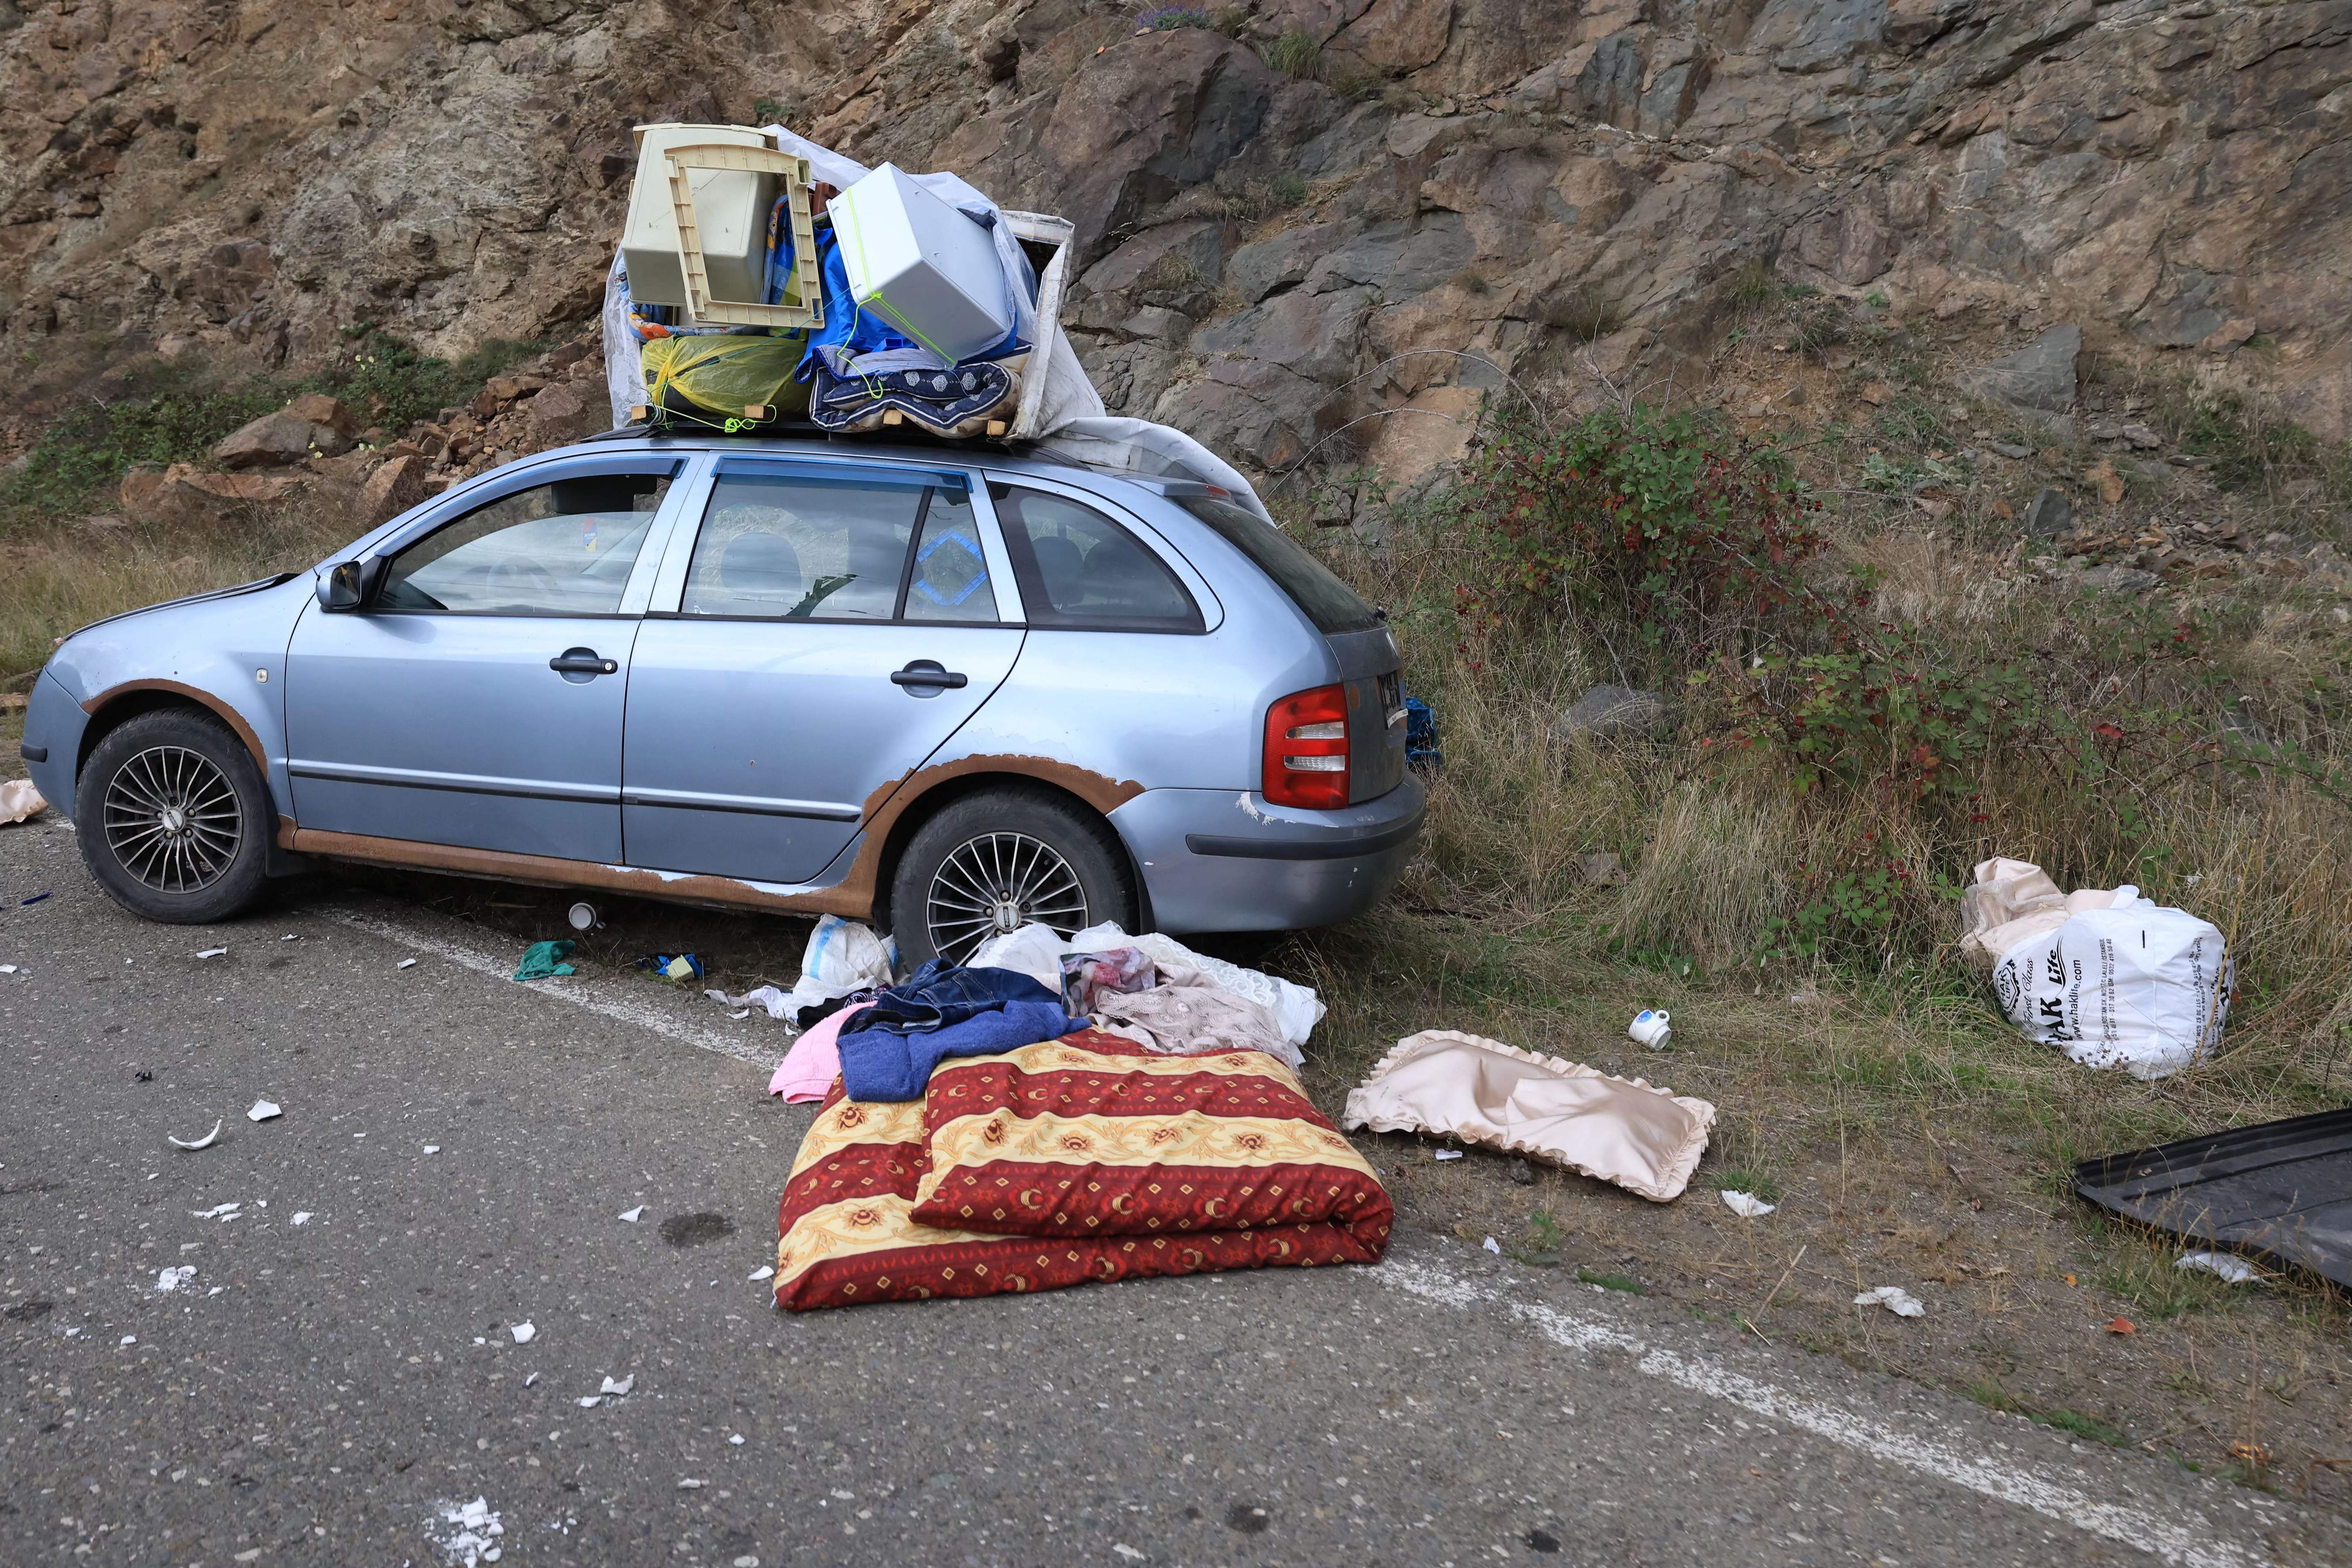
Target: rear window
[1329, 602]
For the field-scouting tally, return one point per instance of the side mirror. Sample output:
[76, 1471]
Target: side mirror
[342, 588]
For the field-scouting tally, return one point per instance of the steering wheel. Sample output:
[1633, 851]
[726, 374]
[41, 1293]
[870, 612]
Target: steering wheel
[526, 579]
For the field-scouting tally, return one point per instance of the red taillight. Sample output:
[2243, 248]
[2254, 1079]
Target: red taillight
[1307, 749]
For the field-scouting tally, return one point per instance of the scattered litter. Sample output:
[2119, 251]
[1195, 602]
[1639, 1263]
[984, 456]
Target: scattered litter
[302, 1216]
[263, 1111]
[620, 1387]
[170, 1280]
[18, 801]
[589, 1400]
[1124, 1549]
[776, 1004]
[737, 1439]
[133, 1339]
[406, 964]
[531, 1379]
[1447, 1155]
[691, 1484]
[1446, 1083]
[583, 917]
[222, 1211]
[1652, 1028]
[1494, 1245]
[8, 969]
[36, 899]
[291, 937]
[468, 1533]
[542, 960]
[765, 1271]
[2235, 1269]
[1895, 1300]
[2105, 974]
[212, 953]
[683, 967]
[2251, 1187]
[204, 1143]
[633, 1215]
[432, 1148]
[1746, 1204]
[2122, 1326]
[741, 1013]
[523, 1332]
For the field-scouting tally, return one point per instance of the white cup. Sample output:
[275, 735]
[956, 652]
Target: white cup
[1652, 1028]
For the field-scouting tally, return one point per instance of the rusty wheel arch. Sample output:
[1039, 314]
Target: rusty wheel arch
[1100, 796]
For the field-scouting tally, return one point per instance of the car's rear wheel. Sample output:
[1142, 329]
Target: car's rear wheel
[1001, 859]
[173, 819]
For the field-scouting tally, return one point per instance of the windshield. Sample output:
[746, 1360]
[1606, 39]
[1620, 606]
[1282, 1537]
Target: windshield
[1329, 602]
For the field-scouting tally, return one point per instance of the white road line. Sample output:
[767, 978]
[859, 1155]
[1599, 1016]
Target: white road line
[595, 996]
[2186, 1537]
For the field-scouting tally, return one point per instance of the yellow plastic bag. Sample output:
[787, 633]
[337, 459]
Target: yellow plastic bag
[713, 380]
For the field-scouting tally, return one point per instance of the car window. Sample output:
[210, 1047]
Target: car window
[800, 547]
[564, 548]
[950, 581]
[1080, 569]
[1329, 602]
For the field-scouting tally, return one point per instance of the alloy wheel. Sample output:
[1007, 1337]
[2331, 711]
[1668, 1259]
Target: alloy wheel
[997, 882]
[171, 820]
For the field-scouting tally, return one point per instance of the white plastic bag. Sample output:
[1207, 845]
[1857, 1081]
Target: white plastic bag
[2014, 900]
[2140, 988]
[1034, 950]
[842, 956]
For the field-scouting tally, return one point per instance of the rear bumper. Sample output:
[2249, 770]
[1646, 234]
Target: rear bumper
[1219, 859]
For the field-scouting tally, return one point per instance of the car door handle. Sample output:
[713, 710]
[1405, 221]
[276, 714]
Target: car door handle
[582, 662]
[929, 678]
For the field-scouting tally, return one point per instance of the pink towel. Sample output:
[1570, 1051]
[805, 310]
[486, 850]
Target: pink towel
[809, 1068]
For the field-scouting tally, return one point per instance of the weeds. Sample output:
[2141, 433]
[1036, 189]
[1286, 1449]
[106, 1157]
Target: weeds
[1171, 18]
[1625, 1283]
[1756, 1183]
[1294, 54]
[85, 453]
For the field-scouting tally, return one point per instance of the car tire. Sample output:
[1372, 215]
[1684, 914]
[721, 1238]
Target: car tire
[1008, 854]
[173, 819]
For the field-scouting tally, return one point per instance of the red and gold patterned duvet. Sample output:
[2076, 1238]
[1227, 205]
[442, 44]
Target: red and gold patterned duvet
[1078, 1159]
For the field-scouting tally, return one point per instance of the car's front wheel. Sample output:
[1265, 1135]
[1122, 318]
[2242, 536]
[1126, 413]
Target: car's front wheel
[1001, 859]
[173, 819]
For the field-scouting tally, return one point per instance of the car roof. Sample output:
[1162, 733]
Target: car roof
[814, 444]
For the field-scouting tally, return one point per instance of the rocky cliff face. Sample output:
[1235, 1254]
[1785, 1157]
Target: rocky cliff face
[241, 182]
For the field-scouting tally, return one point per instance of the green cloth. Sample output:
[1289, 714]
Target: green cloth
[542, 959]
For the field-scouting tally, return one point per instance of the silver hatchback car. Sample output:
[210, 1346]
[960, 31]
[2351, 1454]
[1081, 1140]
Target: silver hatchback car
[948, 691]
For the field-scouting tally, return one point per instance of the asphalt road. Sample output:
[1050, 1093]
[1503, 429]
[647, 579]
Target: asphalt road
[339, 1374]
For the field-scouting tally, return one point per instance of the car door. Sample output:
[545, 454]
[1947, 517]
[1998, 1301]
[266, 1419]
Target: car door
[476, 696]
[832, 625]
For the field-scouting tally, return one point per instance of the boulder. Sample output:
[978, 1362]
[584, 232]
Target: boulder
[1621, 713]
[2050, 515]
[394, 488]
[183, 497]
[2040, 376]
[280, 440]
[320, 409]
[560, 412]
